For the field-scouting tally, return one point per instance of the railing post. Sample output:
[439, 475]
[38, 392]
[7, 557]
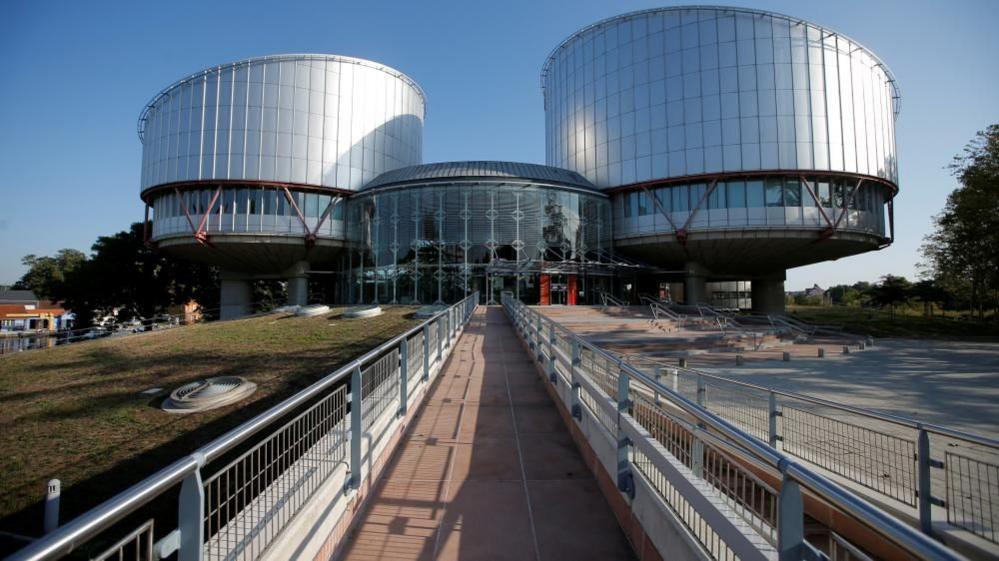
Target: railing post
[659, 381]
[790, 521]
[538, 338]
[356, 399]
[552, 377]
[697, 446]
[190, 518]
[440, 339]
[576, 409]
[52, 495]
[426, 352]
[403, 376]
[625, 483]
[925, 494]
[772, 418]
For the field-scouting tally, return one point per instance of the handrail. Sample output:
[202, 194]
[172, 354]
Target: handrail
[607, 297]
[919, 545]
[66, 538]
[887, 417]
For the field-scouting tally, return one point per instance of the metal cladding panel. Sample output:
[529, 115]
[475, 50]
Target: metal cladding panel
[686, 91]
[319, 120]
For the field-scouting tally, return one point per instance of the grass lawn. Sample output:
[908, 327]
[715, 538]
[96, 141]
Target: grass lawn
[877, 323]
[75, 412]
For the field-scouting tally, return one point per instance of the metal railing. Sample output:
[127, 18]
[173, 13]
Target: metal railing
[282, 456]
[920, 465]
[689, 454]
[608, 299]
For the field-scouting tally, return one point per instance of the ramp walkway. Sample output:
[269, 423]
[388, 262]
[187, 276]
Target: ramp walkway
[487, 469]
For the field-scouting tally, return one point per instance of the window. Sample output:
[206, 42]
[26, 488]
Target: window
[644, 204]
[282, 203]
[680, 199]
[311, 209]
[255, 201]
[717, 199]
[665, 201]
[792, 193]
[266, 201]
[822, 190]
[736, 194]
[241, 197]
[697, 191]
[839, 194]
[754, 193]
[774, 193]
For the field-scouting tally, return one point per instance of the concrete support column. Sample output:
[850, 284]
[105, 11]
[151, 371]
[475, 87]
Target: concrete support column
[768, 294]
[694, 284]
[236, 298]
[298, 284]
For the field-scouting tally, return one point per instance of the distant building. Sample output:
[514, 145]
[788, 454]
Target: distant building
[816, 290]
[21, 310]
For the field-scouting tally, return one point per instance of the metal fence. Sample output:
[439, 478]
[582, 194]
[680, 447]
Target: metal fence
[700, 465]
[942, 473]
[282, 457]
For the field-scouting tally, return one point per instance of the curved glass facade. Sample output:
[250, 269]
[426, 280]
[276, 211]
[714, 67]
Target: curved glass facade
[437, 241]
[248, 209]
[320, 120]
[677, 92]
[818, 202]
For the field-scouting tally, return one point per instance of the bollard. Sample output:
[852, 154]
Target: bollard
[821, 352]
[786, 357]
[846, 349]
[738, 360]
[52, 494]
[683, 363]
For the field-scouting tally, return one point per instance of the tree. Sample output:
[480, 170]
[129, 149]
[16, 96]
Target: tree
[962, 253]
[46, 274]
[929, 293]
[127, 277]
[890, 292]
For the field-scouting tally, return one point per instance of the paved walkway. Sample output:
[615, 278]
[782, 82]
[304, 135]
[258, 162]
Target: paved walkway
[487, 470]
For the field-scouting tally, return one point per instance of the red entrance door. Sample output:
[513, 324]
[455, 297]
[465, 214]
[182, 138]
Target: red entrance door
[546, 290]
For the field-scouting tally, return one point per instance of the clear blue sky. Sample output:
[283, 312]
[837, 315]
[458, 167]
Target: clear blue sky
[74, 76]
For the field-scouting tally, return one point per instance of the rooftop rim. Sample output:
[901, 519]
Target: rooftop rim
[897, 97]
[489, 170]
[141, 124]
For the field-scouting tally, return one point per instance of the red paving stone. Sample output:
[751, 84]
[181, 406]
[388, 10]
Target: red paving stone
[487, 470]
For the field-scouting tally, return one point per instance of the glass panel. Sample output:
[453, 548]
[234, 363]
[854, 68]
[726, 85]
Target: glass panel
[736, 194]
[792, 193]
[664, 198]
[680, 199]
[754, 193]
[717, 199]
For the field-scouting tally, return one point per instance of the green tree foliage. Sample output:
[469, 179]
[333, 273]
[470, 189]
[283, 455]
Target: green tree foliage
[891, 292]
[46, 274]
[930, 293]
[126, 276]
[962, 254]
[848, 294]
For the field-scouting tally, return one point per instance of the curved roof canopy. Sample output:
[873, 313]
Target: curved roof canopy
[445, 171]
